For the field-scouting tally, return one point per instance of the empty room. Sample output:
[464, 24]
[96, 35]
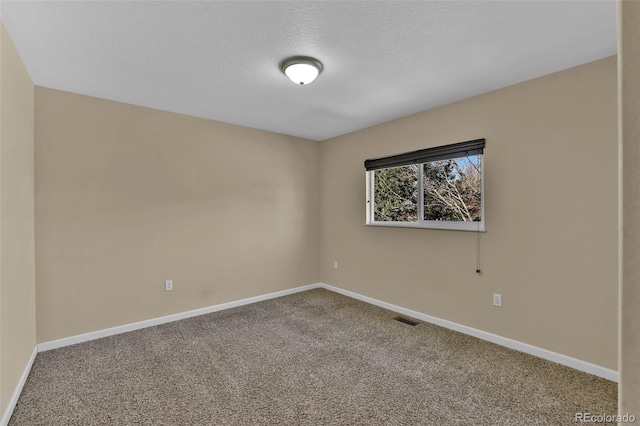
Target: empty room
[319, 212]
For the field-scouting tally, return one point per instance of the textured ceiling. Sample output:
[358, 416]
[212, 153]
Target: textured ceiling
[382, 60]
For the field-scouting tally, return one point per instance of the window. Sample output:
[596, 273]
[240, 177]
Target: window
[439, 188]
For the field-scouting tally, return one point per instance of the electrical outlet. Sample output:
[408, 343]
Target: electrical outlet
[497, 299]
[168, 285]
[335, 264]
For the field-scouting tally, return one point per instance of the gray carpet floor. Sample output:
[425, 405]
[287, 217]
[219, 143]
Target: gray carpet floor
[312, 358]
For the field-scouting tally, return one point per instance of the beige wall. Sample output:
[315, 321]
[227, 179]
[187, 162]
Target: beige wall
[629, 69]
[551, 216]
[17, 270]
[128, 197]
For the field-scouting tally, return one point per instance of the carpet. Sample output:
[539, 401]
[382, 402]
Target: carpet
[311, 358]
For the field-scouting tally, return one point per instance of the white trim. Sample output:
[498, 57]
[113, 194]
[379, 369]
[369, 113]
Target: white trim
[370, 185]
[420, 191]
[18, 390]
[434, 224]
[482, 199]
[568, 361]
[67, 341]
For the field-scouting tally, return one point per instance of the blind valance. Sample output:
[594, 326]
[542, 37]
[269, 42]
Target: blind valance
[444, 152]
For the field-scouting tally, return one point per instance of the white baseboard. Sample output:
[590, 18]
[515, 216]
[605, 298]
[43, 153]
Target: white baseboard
[67, 341]
[18, 390]
[568, 361]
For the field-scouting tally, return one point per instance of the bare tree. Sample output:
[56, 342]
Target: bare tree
[452, 189]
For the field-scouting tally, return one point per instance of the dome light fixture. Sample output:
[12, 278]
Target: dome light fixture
[301, 69]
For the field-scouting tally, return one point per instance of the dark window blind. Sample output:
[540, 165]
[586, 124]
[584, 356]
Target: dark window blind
[444, 152]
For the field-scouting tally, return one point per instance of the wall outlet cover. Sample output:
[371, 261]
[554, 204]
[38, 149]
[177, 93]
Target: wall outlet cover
[497, 299]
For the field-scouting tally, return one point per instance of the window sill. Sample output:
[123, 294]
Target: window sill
[450, 226]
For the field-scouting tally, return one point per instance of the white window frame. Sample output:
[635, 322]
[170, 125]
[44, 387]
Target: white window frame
[421, 223]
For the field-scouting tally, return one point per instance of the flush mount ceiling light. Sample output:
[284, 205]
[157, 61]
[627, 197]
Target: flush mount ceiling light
[301, 69]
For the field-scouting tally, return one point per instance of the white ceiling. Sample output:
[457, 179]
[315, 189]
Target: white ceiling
[382, 59]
